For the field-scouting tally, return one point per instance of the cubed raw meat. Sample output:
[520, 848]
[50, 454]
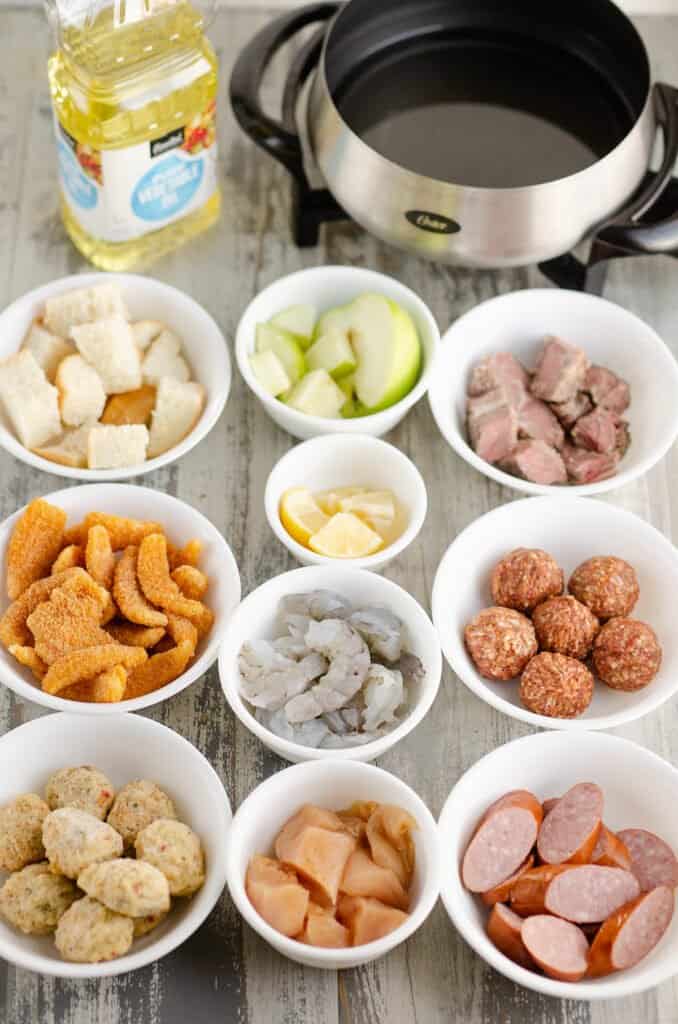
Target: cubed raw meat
[492, 425]
[618, 399]
[560, 372]
[584, 467]
[536, 421]
[597, 431]
[623, 438]
[535, 461]
[569, 412]
[496, 371]
[607, 389]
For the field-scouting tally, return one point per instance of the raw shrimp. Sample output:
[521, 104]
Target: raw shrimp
[383, 696]
[318, 604]
[349, 660]
[290, 647]
[381, 629]
[270, 680]
[309, 734]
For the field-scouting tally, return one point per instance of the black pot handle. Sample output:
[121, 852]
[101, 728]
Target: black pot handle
[278, 139]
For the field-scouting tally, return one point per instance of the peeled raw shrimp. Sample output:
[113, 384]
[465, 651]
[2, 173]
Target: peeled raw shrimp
[318, 604]
[269, 679]
[383, 694]
[349, 660]
[381, 629]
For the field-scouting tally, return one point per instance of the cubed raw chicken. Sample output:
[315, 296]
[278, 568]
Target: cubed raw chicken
[596, 431]
[315, 843]
[569, 412]
[536, 421]
[362, 877]
[368, 919]
[535, 461]
[560, 372]
[492, 425]
[607, 389]
[497, 371]
[584, 467]
[275, 893]
[323, 929]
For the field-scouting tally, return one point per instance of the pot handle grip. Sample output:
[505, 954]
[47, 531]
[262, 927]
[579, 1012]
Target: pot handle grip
[278, 139]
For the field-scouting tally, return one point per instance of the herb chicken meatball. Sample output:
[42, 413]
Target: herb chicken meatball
[129, 887]
[89, 933]
[34, 899]
[608, 586]
[174, 849]
[565, 626]
[500, 642]
[137, 805]
[75, 839]
[525, 578]
[21, 832]
[85, 787]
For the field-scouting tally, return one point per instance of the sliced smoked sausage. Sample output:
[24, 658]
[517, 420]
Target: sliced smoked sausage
[610, 851]
[557, 946]
[503, 928]
[502, 892]
[569, 832]
[631, 933]
[504, 838]
[528, 893]
[590, 892]
[653, 862]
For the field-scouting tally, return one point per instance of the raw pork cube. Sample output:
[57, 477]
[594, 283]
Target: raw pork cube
[535, 461]
[497, 371]
[596, 431]
[560, 371]
[584, 467]
[569, 412]
[623, 438]
[607, 389]
[536, 421]
[492, 425]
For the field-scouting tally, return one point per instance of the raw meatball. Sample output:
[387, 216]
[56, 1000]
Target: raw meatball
[627, 654]
[34, 899]
[501, 642]
[556, 686]
[89, 933]
[21, 832]
[566, 626]
[525, 578]
[129, 887]
[144, 925]
[176, 851]
[85, 788]
[75, 839]
[137, 805]
[606, 585]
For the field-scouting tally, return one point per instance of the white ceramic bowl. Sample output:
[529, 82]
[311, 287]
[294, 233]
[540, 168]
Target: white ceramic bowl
[256, 617]
[572, 530]
[640, 791]
[124, 747]
[182, 523]
[203, 344]
[333, 785]
[327, 287]
[340, 460]
[611, 337]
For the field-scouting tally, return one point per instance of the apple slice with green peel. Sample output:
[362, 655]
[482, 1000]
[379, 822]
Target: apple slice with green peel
[270, 372]
[334, 319]
[332, 352]
[288, 351]
[317, 395]
[299, 321]
[387, 346]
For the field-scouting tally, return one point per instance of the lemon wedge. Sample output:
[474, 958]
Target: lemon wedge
[301, 515]
[345, 536]
[373, 506]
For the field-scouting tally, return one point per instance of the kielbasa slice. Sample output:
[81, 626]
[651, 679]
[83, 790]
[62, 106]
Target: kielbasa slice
[528, 894]
[610, 851]
[502, 892]
[653, 862]
[569, 832]
[632, 932]
[590, 893]
[548, 805]
[504, 838]
[557, 946]
[503, 928]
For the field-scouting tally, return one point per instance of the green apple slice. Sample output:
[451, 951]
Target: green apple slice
[387, 346]
[288, 350]
[334, 319]
[270, 372]
[299, 321]
[317, 395]
[347, 385]
[332, 352]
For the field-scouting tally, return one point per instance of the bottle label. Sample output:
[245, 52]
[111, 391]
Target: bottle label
[121, 194]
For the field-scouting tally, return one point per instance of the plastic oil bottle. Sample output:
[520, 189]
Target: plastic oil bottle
[134, 87]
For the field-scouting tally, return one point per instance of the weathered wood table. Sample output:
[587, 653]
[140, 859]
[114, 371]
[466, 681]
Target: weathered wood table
[225, 972]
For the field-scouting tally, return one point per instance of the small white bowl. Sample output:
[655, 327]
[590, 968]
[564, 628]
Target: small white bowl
[610, 336]
[333, 785]
[572, 530]
[641, 791]
[181, 523]
[256, 619]
[325, 288]
[147, 299]
[340, 460]
[124, 747]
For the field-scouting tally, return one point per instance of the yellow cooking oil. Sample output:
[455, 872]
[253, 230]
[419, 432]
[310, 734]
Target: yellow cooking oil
[134, 89]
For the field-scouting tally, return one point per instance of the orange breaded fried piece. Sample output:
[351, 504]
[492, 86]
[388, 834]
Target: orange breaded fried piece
[107, 688]
[79, 666]
[182, 631]
[133, 635]
[27, 656]
[128, 594]
[69, 620]
[188, 555]
[69, 558]
[122, 531]
[13, 628]
[159, 670]
[191, 581]
[36, 541]
[110, 610]
[99, 557]
[153, 573]
[130, 408]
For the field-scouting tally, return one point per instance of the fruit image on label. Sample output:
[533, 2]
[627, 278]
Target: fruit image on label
[168, 188]
[82, 191]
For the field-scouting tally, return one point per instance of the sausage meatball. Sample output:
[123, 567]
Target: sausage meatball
[137, 805]
[128, 887]
[565, 626]
[626, 654]
[176, 850]
[525, 578]
[74, 839]
[89, 933]
[500, 642]
[34, 899]
[86, 788]
[556, 686]
[21, 831]
[608, 586]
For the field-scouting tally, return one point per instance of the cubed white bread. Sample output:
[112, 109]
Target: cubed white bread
[30, 401]
[164, 359]
[84, 306]
[70, 449]
[81, 393]
[108, 345]
[116, 447]
[49, 349]
[146, 331]
[178, 407]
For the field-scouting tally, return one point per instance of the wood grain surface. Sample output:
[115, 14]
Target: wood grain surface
[225, 973]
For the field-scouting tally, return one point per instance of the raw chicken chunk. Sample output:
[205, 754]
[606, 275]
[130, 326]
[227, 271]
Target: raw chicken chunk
[316, 845]
[368, 919]
[275, 893]
[362, 877]
[323, 929]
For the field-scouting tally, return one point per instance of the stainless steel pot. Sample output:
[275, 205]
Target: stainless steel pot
[463, 223]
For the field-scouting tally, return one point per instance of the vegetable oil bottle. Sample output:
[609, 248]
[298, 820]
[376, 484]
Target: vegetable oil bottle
[134, 86]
